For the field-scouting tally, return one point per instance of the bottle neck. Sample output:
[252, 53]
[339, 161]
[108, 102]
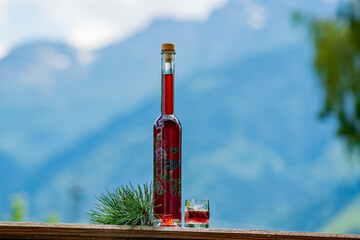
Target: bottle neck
[167, 82]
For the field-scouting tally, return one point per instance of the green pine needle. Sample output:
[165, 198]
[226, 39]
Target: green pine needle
[127, 205]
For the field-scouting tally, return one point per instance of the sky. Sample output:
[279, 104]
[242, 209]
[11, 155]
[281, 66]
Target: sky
[90, 24]
[93, 24]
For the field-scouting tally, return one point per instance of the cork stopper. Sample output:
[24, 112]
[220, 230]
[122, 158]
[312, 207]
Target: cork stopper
[168, 47]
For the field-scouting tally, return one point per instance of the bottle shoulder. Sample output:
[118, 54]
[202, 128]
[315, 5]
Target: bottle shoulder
[167, 120]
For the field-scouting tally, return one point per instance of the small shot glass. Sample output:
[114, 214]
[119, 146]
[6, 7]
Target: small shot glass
[197, 213]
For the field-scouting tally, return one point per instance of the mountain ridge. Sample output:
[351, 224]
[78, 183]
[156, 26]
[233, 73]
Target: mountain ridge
[247, 99]
[263, 172]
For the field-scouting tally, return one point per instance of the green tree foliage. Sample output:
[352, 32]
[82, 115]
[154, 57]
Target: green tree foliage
[18, 208]
[52, 218]
[337, 63]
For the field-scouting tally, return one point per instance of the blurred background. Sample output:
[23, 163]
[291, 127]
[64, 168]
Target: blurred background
[268, 93]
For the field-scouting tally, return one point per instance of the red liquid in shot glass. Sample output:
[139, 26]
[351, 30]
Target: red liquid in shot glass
[197, 217]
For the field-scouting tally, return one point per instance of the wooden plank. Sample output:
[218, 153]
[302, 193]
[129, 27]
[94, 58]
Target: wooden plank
[15, 230]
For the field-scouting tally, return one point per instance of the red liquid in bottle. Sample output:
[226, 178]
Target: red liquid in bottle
[167, 91]
[167, 159]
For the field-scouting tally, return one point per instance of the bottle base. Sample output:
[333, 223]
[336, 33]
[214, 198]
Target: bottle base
[167, 223]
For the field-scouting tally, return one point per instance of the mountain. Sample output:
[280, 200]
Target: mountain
[347, 219]
[64, 93]
[247, 98]
[245, 165]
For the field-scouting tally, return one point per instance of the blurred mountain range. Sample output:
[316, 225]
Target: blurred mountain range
[74, 123]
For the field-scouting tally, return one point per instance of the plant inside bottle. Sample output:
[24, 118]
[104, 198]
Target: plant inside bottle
[167, 149]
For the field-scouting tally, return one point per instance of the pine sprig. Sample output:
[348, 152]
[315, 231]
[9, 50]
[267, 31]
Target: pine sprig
[127, 205]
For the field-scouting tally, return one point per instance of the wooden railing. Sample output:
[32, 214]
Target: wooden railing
[12, 230]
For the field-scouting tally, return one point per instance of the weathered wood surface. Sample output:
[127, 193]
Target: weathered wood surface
[13, 230]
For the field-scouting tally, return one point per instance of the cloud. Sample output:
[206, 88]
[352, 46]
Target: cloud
[91, 24]
[4, 49]
[256, 14]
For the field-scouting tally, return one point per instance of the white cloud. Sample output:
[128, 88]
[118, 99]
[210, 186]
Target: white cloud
[3, 50]
[92, 35]
[256, 14]
[91, 24]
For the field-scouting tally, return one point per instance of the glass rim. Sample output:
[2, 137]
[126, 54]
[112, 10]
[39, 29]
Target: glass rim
[201, 199]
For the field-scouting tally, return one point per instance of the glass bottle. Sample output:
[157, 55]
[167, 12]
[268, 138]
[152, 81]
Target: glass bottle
[167, 148]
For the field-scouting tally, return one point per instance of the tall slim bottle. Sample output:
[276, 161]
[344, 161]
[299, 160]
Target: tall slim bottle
[167, 148]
